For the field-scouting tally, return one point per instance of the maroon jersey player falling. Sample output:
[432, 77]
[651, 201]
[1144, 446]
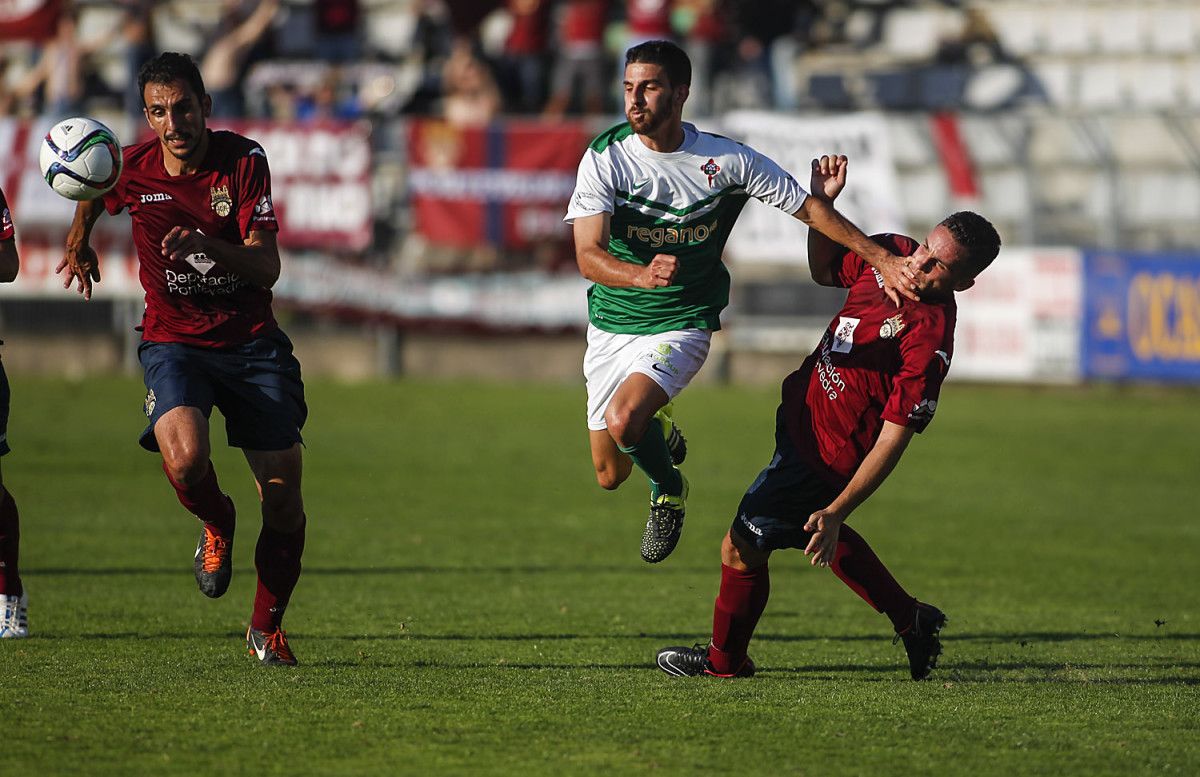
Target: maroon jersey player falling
[846, 417]
[204, 229]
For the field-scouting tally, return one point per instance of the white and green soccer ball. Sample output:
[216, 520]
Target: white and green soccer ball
[80, 158]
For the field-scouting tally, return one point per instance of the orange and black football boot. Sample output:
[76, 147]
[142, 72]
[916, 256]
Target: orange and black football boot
[270, 647]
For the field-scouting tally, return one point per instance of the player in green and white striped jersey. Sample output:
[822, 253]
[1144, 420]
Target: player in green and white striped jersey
[653, 206]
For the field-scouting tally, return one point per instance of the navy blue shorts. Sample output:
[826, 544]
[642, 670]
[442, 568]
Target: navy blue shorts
[778, 503]
[256, 386]
[5, 397]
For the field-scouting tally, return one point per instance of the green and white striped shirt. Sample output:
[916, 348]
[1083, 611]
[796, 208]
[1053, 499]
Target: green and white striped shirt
[682, 203]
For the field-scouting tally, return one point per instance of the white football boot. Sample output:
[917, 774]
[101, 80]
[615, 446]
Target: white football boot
[14, 618]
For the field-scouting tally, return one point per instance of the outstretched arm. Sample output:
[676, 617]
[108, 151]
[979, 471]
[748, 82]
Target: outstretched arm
[80, 261]
[599, 266]
[878, 464]
[833, 231]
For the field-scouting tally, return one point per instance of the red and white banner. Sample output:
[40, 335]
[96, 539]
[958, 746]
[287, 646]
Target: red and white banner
[1020, 321]
[505, 185]
[320, 181]
[29, 19]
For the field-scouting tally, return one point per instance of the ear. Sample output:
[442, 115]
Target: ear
[681, 93]
[206, 106]
[964, 285]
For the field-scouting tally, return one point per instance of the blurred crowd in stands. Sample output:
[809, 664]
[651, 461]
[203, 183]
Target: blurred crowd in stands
[466, 60]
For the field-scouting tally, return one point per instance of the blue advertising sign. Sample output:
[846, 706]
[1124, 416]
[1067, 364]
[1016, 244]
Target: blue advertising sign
[1142, 316]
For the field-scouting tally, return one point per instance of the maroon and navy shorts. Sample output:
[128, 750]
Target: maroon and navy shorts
[778, 503]
[5, 397]
[256, 386]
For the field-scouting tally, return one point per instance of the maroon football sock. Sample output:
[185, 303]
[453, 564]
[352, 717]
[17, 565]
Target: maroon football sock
[277, 559]
[10, 542]
[740, 603]
[858, 567]
[205, 500]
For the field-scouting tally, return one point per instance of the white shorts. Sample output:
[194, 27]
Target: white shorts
[670, 359]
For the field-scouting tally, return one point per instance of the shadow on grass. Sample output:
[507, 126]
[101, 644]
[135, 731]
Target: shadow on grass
[973, 672]
[1031, 638]
[1025, 640]
[515, 569]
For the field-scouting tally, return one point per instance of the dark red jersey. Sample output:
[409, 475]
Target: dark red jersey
[530, 26]
[648, 19]
[6, 222]
[875, 363]
[583, 22]
[193, 300]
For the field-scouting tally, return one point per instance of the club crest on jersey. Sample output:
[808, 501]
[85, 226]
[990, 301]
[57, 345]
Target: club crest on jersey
[843, 336]
[222, 203]
[710, 168]
[891, 327]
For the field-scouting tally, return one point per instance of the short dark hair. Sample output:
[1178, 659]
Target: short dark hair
[976, 234]
[167, 67]
[672, 59]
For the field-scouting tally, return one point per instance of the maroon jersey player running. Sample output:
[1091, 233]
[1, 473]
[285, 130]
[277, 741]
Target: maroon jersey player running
[14, 600]
[204, 229]
[846, 417]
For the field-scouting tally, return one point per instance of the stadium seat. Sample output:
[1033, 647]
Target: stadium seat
[828, 90]
[893, 89]
[988, 137]
[941, 86]
[391, 30]
[910, 141]
[1120, 30]
[1160, 197]
[1172, 30]
[912, 33]
[1191, 84]
[1100, 85]
[1017, 27]
[926, 197]
[1152, 84]
[1067, 29]
[1140, 140]
[1055, 78]
[1005, 195]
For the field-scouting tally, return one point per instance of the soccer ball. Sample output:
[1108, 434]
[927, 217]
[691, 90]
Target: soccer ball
[80, 158]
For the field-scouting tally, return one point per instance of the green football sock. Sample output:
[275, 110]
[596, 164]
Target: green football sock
[652, 457]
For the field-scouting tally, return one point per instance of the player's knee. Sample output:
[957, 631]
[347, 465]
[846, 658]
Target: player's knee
[610, 478]
[621, 426]
[282, 508]
[186, 467]
[737, 553]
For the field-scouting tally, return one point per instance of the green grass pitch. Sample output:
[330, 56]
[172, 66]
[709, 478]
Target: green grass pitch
[473, 603]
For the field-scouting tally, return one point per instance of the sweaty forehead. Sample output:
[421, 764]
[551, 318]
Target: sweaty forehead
[168, 93]
[943, 245]
[636, 72]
